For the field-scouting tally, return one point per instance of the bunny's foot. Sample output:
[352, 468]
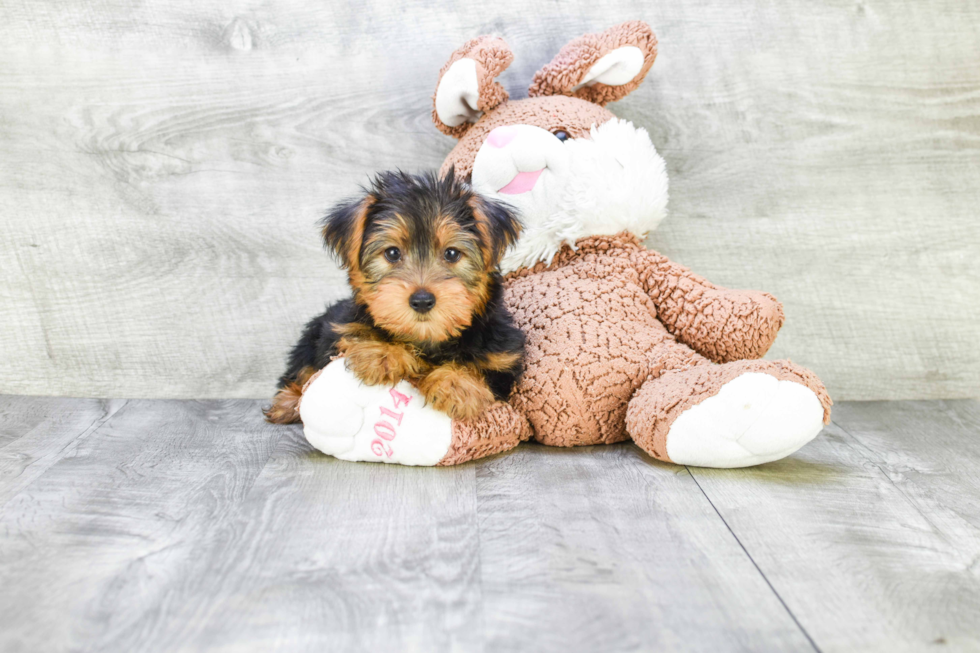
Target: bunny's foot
[346, 419]
[733, 415]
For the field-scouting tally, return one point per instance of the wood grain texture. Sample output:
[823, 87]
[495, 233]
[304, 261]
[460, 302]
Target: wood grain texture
[37, 432]
[195, 526]
[93, 543]
[324, 555]
[164, 164]
[871, 534]
[20, 415]
[605, 549]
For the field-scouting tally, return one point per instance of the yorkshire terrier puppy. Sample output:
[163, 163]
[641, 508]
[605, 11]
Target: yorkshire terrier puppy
[422, 254]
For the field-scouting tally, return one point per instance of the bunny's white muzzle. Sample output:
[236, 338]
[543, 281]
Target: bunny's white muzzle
[609, 182]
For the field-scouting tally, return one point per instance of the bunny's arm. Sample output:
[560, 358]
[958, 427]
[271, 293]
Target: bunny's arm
[721, 324]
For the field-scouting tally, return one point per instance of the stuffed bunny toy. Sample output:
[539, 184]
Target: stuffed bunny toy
[621, 342]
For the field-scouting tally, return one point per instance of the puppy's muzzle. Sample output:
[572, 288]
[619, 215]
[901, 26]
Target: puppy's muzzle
[422, 301]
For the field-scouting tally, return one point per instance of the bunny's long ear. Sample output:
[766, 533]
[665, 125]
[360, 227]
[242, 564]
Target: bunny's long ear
[466, 88]
[600, 68]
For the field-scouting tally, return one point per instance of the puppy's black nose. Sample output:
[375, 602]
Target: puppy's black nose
[422, 301]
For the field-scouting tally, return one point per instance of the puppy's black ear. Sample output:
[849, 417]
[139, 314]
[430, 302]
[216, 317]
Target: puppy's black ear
[343, 229]
[499, 227]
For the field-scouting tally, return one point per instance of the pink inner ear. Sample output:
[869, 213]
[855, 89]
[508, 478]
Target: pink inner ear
[521, 183]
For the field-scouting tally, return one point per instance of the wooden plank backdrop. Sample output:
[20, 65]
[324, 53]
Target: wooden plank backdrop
[162, 165]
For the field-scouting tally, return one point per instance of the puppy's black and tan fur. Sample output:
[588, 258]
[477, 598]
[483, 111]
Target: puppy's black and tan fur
[422, 254]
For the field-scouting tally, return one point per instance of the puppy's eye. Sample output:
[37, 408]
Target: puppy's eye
[452, 254]
[561, 135]
[393, 254]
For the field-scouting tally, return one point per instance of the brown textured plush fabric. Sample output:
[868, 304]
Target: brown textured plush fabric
[492, 56]
[571, 64]
[498, 429]
[658, 403]
[608, 317]
[722, 324]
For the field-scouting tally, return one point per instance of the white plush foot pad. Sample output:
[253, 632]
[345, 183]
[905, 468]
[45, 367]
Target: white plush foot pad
[344, 418]
[755, 418]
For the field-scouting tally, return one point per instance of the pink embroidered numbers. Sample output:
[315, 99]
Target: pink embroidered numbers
[385, 430]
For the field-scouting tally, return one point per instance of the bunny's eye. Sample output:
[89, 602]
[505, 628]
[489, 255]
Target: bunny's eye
[561, 135]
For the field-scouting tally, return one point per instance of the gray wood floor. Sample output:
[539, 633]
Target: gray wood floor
[174, 525]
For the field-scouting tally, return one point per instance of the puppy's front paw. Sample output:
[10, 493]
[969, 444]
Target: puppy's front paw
[285, 405]
[380, 363]
[456, 391]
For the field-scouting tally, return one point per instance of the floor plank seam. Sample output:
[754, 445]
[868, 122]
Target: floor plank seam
[225, 520]
[861, 449]
[98, 423]
[70, 446]
[278, 435]
[754, 564]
